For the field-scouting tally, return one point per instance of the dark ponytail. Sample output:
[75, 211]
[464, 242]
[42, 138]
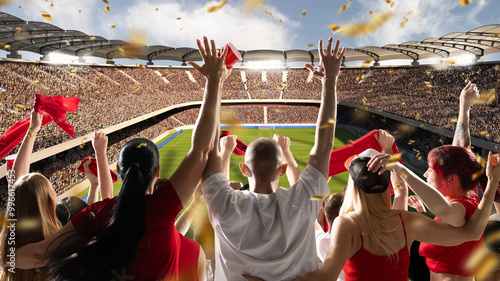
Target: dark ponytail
[111, 253]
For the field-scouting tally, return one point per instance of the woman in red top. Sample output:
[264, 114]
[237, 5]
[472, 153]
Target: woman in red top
[132, 236]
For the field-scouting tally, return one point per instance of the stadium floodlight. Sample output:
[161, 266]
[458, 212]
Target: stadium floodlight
[61, 58]
[268, 64]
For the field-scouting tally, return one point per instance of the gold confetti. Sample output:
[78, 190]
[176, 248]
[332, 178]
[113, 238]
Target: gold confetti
[481, 162]
[497, 67]
[106, 10]
[105, 1]
[179, 18]
[46, 16]
[344, 7]
[365, 100]
[91, 37]
[212, 9]
[482, 263]
[465, 2]
[428, 84]
[79, 11]
[52, 4]
[252, 5]
[136, 88]
[411, 142]
[304, 12]
[421, 33]
[486, 98]
[485, 134]
[319, 197]
[6, 46]
[370, 12]
[113, 26]
[402, 103]
[377, 20]
[402, 24]
[140, 65]
[329, 123]
[334, 27]
[393, 160]
[350, 142]
[19, 107]
[281, 21]
[418, 154]
[20, 7]
[157, 9]
[27, 224]
[141, 145]
[73, 72]
[453, 121]
[417, 116]
[366, 63]
[391, 3]
[310, 45]
[269, 13]
[428, 6]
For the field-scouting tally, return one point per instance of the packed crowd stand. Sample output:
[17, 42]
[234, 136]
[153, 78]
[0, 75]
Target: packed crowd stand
[110, 95]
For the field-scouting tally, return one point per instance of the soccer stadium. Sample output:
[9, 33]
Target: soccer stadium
[136, 90]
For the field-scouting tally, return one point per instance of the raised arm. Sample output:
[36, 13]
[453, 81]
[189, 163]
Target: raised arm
[400, 202]
[328, 71]
[184, 221]
[100, 143]
[468, 97]
[450, 213]
[227, 145]
[92, 197]
[187, 175]
[22, 163]
[293, 170]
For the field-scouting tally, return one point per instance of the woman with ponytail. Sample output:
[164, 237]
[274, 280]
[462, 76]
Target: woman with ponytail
[132, 236]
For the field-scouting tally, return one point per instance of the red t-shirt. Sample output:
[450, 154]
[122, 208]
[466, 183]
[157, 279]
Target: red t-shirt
[451, 260]
[169, 255]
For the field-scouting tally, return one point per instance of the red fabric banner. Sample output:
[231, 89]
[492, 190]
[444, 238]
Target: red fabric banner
[93, 168]
[240, 148]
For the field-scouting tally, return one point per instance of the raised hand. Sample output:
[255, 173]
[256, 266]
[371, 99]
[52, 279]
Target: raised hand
[415, 203]
[99, 141]
[214, 62]
[385, 140]
[378, 163]
[283, 141]
[36, 121]
[469, 95]
[329, 64]
[228, 143]
[493, 168]
[92, 178]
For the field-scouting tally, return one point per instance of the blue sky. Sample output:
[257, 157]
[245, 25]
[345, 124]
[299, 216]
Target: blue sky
[256, 29]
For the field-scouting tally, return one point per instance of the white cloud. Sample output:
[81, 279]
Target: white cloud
[245, 31]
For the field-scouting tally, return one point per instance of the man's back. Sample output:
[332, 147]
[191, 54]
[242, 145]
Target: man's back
[266, 235]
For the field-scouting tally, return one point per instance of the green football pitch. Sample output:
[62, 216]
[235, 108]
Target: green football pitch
[302, 140]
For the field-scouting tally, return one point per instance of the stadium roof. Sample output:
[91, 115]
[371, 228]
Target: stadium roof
[44, 38]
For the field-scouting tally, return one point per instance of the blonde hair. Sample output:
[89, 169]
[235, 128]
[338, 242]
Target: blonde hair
[35, 211]
[371, 210]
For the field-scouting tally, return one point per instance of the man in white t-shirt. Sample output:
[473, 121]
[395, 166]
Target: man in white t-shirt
[268, 232]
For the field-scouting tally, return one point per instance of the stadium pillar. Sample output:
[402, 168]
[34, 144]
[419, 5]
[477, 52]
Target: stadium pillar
[13, 55]
[110, 62]
[477, 58]
[415, 63]
[150, 62]
[81, 60]
[376, 63]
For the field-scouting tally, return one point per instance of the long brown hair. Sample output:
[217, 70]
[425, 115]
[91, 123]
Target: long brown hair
[34, 209]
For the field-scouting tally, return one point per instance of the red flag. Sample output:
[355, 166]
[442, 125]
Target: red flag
[54, 109]
[93, 169]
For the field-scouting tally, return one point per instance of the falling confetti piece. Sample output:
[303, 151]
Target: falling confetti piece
[6, 46]
[485, 134]
[212, 9]
[141, 145]
[393, 160]
[344, 7]
[281, 21]
[105, 1]
[402, 24]
[304, 12]
[157, 9]
[428, 6]
[411, 142]
[334, 27]
[106, 10]
[377, 20]
[350, 142]
[366, 63]
[27, 224]
[402, 103]
[329, 123]
[418, 154]
[482, 263]
[136, 88]
[319, 197]
[20, 7]
[486, 98]
[18, 107]
[179, 18]
[310, 45]
[269, 13]
[140, 65]
[428, 84]
[46, 16]
[370, 12]
[252, 5]
[465, 2]
[73, 72]
[52, 4]
[453, 121]
[497, 67]
[481, 162]
[391, 3]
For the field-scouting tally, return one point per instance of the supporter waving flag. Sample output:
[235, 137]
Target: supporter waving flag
[240, 148]
[54, 109]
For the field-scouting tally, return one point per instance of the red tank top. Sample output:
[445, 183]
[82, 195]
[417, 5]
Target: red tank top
[451, 260]
[365, 266]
